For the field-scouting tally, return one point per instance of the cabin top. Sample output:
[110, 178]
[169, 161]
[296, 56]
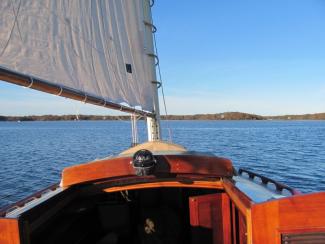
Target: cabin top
[155, 146]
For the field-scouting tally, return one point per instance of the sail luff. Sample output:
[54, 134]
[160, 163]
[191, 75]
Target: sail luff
[63, 91]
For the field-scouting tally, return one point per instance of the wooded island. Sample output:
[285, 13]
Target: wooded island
[217, 116]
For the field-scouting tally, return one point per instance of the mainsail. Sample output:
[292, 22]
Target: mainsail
[98, 48]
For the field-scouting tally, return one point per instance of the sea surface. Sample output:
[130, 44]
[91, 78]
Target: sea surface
[32, 154]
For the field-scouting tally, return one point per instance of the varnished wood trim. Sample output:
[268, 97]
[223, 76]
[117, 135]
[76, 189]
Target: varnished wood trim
[234, 223]
[9, 231]
[226, 220]
[299, 214]
[249, 226]
[194, 184]
[242, 202]
[209, 211]
[167, 164]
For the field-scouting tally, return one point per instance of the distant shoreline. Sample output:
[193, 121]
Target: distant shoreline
[218, 116]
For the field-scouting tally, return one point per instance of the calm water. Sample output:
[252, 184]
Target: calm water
[32, 154]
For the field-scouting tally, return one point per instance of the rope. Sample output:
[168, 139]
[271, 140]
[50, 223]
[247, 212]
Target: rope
[77, 111]
[119, 119]
[155, 56]
[104, 105]
[153, 27]
[135, 137]
[85, 100]
[162, 89]
[125, 195]
[159, 84]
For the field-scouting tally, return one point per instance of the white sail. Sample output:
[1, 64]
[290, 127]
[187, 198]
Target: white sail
[95, 46]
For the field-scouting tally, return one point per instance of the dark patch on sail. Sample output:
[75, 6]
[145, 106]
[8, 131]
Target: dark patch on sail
[128, 68]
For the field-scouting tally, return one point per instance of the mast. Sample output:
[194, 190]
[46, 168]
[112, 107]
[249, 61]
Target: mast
[153, 123]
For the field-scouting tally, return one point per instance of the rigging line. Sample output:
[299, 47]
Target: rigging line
[85, 100]
[162, 88]
[104, 105]
[160, 76]
[134, 129]
[77, 111]
[139, 117]
[122, 120]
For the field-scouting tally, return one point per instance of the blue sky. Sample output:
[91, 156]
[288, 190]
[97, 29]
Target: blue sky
[263, 57]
